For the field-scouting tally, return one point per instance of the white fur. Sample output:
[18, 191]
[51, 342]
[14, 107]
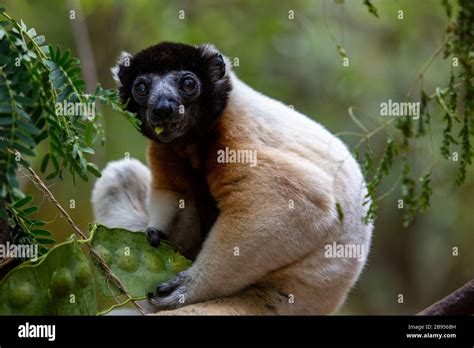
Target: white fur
[162, 207]
[118, 198]
[123, 197]
[124, 59]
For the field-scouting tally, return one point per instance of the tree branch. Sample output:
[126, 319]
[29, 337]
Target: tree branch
[459, 302]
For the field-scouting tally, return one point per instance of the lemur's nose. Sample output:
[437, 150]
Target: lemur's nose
[163, 109]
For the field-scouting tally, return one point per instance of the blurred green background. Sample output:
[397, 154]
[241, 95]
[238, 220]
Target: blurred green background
[297, 62]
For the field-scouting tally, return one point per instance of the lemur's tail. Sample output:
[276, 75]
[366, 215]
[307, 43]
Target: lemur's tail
[119, 196]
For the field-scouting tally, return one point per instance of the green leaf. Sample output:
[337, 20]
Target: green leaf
[52, 175]
[44, 162]
[64, 94]
[44, 287]
[31, 33]
[6, 108]
[23, 149]
[131, 257]
[23, 25]
[27, 127]
[39, 39]
[91, 167]
[24, 101]
[88, 150]
[37, 223]
[45, 240]
[50, 64]
[55, 74]
[371, 7]
[30, 210]
[22, 202]
[65, 57]
[27, 140]
[40, 232]
[59, 82]
[6, 121]
[23, 114]
[79, 84]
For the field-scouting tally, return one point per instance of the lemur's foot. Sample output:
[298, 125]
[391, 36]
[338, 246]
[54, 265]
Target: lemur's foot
[154, 236]
[173, 293]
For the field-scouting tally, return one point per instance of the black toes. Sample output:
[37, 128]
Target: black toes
[165, 289]
[154, 236]
[169, 286]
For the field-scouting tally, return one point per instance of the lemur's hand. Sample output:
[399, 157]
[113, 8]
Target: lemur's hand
[154, 236]
[173, 293]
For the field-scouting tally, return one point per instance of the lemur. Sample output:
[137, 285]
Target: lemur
[259, 235]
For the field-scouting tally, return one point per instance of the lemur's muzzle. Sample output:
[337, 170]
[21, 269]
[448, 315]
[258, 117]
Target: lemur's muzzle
[163, 111]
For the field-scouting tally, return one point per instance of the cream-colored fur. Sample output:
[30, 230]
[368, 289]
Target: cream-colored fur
[265, 253]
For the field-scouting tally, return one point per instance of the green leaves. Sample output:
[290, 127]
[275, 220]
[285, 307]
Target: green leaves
[131, 258]
[21, 202]
[21, 218]
[32, 79]
[456, 105]
[371, 7]
[62, 281]
[42, 99]
[383, 169]
[58, 283]
[111, 98]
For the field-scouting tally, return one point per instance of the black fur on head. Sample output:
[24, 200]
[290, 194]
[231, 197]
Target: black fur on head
[169, 62]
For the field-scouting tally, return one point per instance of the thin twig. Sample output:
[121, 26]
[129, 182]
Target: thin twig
[50, 195]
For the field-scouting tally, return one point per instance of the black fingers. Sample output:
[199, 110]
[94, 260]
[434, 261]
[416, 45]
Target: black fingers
[154, 236]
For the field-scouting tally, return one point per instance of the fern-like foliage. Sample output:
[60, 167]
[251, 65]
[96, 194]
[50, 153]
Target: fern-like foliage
[455, 103]
[42, 100]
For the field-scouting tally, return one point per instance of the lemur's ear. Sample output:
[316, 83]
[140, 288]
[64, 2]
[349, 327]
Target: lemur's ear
[122, 63]
[217, 63]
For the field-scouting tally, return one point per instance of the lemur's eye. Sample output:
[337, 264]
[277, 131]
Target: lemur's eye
[188, 84]
[141, 89]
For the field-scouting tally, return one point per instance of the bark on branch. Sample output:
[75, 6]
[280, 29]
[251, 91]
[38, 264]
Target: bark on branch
[459, 302]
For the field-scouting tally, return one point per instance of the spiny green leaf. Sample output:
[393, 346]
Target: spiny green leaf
[44, 287]
[130, 257]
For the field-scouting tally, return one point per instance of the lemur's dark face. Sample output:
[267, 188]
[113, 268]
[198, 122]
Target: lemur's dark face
[177, 91]
[167, 104]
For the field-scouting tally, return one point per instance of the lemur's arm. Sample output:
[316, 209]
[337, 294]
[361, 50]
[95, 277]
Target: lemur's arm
[256, 233]
[169, 185]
